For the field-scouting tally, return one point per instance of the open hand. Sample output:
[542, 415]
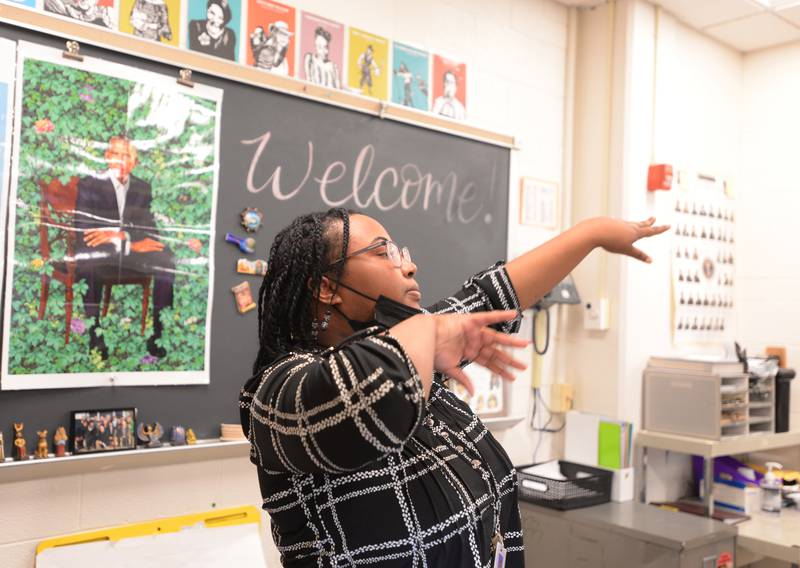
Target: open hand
[618, 236]
[147, 245]
[462, 337]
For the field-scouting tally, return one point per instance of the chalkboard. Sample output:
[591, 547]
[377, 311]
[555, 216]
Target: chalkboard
[443, 196]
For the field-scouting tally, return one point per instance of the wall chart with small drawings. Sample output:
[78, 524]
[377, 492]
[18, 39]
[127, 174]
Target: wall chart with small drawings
[703, 260]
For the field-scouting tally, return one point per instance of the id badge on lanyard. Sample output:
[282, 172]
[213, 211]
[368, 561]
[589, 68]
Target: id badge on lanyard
[499, 553]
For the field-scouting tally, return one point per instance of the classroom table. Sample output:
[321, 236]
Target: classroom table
[775, 537]
[772, 535]
[623, 535]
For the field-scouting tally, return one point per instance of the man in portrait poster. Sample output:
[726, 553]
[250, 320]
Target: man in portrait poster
[118, 238]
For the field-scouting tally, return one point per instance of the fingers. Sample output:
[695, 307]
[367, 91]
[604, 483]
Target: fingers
[499, 362]
[658, 230]
[458, 375]
[506, 339]
[496, 316]
[95, 239]
[148, 245]
[650, 223]
[639, 255]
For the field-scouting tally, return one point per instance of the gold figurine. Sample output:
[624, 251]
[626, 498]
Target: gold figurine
[20, 450]
[41, 446]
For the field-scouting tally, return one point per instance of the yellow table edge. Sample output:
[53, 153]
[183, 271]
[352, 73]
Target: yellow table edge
[211, 519]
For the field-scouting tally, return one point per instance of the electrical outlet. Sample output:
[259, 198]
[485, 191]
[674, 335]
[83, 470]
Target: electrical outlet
[596, 315]
[561, 397]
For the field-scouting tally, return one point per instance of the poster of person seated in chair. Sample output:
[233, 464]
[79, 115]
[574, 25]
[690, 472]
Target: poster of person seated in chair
[110, 242]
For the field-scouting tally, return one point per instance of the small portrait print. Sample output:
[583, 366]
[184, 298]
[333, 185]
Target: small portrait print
[270, 49]
[271, 28]
[368, 61]
[156, 20]
[212, 27]
[322, 46]
[410, 77]
[97, 12]
[449, 88]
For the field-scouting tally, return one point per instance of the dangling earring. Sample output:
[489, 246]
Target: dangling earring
[320, 325]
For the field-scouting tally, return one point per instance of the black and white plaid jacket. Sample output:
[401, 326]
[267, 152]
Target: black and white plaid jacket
[357, 469]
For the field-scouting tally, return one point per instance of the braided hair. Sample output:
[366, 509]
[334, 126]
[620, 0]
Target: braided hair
[297, 261]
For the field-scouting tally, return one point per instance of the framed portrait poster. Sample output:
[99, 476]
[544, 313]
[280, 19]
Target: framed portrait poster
[110, 244]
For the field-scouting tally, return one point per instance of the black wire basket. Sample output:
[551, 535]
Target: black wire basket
[584, 486]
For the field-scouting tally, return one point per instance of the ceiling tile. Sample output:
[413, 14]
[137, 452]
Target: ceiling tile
[780, 4]
[791, 14]
[755, 32]
[704, 13]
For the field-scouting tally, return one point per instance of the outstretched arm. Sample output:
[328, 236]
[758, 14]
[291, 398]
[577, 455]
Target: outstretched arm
[536, 272]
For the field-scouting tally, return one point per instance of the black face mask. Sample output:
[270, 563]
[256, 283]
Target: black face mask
[388, 312]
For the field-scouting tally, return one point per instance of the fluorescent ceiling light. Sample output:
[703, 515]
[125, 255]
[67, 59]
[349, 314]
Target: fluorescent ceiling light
[778, 4]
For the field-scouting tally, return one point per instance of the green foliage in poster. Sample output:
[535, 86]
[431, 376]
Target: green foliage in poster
[67, 117]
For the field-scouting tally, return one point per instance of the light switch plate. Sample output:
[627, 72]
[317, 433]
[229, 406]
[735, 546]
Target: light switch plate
[596, 315]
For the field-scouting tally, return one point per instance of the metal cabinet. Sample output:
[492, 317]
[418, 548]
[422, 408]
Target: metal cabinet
[623, 535]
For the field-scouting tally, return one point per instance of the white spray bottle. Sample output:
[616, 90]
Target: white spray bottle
[771, 484]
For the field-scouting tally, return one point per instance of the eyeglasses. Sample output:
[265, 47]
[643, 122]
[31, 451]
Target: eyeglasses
[394, 252]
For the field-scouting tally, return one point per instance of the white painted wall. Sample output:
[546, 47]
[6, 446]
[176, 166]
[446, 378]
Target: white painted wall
[693, 122]
[686, 113]
[516, 50]
[769, 204]
[649, 90]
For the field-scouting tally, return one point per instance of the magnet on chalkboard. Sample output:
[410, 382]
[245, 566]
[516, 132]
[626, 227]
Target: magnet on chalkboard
[251, 219]
[244, 297]
[246, 245]
[255, 267]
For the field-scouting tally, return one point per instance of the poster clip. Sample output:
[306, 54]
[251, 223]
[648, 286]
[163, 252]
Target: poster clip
[185, 78]
[383, 108]
[72, 51]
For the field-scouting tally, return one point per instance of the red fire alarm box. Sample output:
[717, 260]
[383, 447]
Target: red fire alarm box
[659, 177]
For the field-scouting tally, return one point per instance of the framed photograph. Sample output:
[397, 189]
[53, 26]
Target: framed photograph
[105, 430]
[538, 203]
[492, 393]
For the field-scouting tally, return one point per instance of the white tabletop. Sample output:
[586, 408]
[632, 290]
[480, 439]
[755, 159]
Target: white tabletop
[773, 535]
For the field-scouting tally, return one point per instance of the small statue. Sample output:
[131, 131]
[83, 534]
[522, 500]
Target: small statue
[177, 436]
[2, 449]
[60, 442]
[191, 439]
[41, 446]
[150, 434]
[20, 449]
